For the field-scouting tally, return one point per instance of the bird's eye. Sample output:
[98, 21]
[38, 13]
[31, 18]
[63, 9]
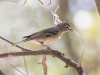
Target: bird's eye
[67, 27]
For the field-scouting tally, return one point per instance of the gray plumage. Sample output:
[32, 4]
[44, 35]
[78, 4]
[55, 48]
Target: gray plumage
[48, 35]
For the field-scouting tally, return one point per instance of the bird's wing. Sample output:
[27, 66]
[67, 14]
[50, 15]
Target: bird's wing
[43, 34]
[50, 31]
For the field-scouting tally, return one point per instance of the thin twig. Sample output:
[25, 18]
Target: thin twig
[40, 1]
[24, 2]
[13, 43]
[17, 69]
[44, 64]
[25, 61]
[83, 48]
[25, 65]
[49, 3]
[81, 57]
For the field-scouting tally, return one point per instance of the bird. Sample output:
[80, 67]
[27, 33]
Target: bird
[47, 36]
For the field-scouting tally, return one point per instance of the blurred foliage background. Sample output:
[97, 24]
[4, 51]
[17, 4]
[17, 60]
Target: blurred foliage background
[17, 21]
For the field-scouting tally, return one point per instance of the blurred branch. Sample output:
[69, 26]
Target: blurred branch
[13, 43]
[1, 73]
[49, 2]
[98, 5]
[44, 64]
[43, 3]
[40, 1]
[45, 51]
[24, 2]
[16, 69]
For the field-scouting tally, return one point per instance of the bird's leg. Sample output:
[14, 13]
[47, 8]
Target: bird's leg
[44, 45]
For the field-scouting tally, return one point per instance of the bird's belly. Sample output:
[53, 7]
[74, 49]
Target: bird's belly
[51, 40]
[46, 41]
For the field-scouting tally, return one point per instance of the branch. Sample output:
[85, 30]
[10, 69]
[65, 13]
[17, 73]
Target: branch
[55, 53]
[98, 5]
[44, 64]
[45, 51]
[13, 43]
[40, 1]
[24, 2]
[49, 3]
[1, 73]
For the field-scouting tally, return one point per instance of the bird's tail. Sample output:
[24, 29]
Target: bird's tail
[20, 42]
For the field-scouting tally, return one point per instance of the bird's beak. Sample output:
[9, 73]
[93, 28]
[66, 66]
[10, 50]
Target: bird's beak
[70, 29]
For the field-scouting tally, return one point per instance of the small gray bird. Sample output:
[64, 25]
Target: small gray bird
[47, 36]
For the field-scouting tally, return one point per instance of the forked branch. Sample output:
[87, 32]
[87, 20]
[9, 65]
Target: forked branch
[52, 52]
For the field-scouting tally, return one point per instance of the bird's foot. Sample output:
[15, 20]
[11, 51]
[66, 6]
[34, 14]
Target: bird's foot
[48, 48]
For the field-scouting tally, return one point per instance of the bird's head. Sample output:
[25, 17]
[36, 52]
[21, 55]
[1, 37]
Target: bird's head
[64, 27]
